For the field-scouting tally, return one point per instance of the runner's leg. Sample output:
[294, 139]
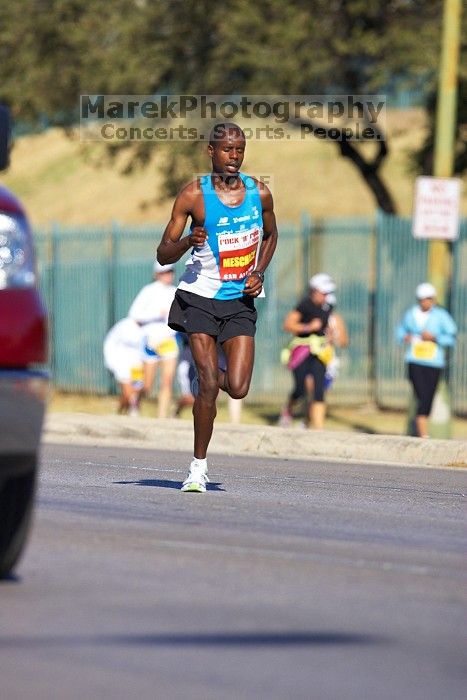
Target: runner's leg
[424, 381]
[150, 370]
[309, 393]
[240, 354]
[318, 407]
[128, 397]
[203, 349]
[183, 377]
[167, 376]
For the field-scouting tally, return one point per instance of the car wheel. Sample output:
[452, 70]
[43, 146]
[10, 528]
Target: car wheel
[16, 505]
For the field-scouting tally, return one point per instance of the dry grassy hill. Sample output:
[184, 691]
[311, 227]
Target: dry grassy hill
[63, 180]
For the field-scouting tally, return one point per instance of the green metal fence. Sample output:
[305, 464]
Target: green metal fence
[458, 367]
[345, 249]
[89, 277]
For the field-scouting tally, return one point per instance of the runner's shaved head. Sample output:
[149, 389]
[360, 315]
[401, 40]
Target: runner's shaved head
[220, 131]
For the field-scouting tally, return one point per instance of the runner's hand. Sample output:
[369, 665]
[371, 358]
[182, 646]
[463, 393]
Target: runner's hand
[253, 285]
[426, 335]
[198, 237]
[314, 326]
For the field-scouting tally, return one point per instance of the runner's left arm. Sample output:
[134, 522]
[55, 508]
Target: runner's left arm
[254, 281]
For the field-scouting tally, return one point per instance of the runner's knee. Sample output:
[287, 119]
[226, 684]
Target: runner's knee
[238, 389]
[208, 383]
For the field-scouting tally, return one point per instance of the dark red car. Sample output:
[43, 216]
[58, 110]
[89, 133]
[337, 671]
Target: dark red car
[23, 382]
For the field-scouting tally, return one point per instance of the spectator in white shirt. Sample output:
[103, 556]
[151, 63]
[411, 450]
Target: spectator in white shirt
[151, 309]
[123, 357]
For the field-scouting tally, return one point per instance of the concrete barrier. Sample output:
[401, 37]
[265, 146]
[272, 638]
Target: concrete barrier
[264, 441]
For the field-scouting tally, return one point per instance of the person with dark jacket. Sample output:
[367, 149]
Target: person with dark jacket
[310, 350]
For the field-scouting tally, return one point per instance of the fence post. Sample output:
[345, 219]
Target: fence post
[55, 236]
[303, 259]
[315, 258]
[113, 257]
[374, 261]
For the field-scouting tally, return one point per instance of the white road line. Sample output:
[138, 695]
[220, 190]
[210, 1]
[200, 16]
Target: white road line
[331, 559]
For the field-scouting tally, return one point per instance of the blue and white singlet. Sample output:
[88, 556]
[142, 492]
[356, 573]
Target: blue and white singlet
[218, 269]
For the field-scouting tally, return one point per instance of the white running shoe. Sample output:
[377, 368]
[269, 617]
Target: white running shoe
[285, 420]
[196, 480]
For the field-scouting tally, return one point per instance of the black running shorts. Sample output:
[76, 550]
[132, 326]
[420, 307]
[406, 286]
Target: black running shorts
[222, 319]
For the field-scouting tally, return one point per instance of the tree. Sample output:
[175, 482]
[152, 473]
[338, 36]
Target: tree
[53, 50]
[422, 160]
[353, 46]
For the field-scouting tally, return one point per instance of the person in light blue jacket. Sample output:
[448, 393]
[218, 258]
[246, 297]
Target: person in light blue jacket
[426, 329]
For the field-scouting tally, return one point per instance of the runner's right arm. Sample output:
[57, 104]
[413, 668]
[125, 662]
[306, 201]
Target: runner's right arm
[172, 246]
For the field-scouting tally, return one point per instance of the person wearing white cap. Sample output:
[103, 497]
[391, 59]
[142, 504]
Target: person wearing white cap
[426, 329]
[310, 349]
[151, 309]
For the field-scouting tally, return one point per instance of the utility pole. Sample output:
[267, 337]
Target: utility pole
[440, 251]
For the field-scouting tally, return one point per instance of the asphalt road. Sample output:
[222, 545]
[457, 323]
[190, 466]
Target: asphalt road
[286, 580]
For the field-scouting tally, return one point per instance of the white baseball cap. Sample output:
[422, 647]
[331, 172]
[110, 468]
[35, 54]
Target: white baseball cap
[162, 268]
[425, 291]
[323, 283]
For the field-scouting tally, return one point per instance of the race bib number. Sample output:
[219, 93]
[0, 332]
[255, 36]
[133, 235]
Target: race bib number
[237, 253]
[424, 350]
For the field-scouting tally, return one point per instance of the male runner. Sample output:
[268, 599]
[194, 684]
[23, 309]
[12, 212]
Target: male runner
[232, 238]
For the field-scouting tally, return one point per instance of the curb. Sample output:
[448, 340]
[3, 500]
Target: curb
[264, 441]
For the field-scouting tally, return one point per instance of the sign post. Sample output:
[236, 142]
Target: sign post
[436, 210]
[439, 270]
[437, 198]
[436, 218]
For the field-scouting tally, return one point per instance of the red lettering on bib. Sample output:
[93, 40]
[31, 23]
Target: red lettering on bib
[237, 253]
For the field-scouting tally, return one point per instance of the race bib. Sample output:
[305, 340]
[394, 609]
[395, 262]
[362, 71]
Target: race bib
[136, 376]
[424, 350]
[237, 253]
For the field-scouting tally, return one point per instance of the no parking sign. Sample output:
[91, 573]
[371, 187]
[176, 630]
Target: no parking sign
[436, 210]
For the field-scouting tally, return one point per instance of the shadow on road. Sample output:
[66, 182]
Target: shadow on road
[168, 484]
[10, 578]
[246, 639]
[226, 639]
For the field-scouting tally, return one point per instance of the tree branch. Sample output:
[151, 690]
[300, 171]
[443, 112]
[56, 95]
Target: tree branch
[368, 169]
